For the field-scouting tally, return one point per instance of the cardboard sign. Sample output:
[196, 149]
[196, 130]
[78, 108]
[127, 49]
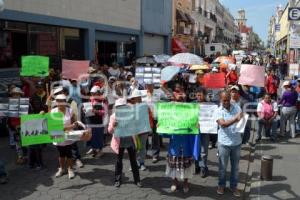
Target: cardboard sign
[149, 75]
[207, 121]
[72, 69]
[37, 66]
[15, 107]
[216, 80]
[252, 75]
[177, 118]
[42, 128]
[132, 120]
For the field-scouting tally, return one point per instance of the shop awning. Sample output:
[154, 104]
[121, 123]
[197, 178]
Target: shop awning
[178, 47]
[180, 16]
[190, 19]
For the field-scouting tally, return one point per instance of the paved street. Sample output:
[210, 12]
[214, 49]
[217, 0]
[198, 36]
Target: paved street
[285, 184]
[95, 180]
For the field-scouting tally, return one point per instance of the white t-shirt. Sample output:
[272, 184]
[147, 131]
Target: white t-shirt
[67, 122]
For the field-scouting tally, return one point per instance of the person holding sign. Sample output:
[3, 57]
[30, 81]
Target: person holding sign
[38, 106]
[95, 121]
[65, 148]
[229, 142]
[119, 145]
[180, 151]
[136, 98]
[201, 163]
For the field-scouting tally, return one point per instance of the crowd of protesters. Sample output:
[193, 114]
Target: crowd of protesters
[106, 88]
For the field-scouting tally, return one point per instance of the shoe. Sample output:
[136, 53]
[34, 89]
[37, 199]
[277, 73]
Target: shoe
[257, 140]
[203, 172]
[117, 184]
[186, 189]
[3, 180]
[139, 184]
[154, 160]
[143, 168]
[79, 164]
[173, 188]
[71, 173]
[90, 152]
[99, 154]
[236, 192]
[220, 190]
[210, 146]
[59, 173]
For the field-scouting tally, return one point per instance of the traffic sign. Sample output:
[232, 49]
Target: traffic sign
[294, 13]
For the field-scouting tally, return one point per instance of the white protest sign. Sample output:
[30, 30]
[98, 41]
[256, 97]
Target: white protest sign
[241, 125]
[207, 122]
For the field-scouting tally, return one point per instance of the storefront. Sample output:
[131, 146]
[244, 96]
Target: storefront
[21, 38]
[115, 47]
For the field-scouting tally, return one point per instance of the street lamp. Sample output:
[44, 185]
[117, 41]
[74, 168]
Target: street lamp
[1, 5]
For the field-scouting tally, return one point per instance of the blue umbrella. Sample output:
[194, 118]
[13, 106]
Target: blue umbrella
[169, 72]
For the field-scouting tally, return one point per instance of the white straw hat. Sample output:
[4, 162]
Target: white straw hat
[61, 97]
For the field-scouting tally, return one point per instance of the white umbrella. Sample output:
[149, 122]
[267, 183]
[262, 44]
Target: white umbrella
[161, 58]
[169, 72]
[187, 59]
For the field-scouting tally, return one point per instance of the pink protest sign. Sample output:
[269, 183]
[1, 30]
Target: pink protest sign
[72, 69]
[252, 75]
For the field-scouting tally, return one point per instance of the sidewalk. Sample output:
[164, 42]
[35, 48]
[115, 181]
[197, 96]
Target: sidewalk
[95, 180]
[286, 173]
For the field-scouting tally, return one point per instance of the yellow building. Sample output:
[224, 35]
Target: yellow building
[282, 36]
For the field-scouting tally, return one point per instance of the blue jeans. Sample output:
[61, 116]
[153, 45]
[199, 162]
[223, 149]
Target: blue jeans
[262, 124]
[96, 141]
[233, 153]
[202, 162]
[2, 169]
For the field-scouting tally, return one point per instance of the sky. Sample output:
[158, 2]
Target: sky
[258, 12]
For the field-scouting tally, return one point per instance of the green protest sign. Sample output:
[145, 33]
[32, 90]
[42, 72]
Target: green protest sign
[42, 128]
[35, 66]
[177, 118]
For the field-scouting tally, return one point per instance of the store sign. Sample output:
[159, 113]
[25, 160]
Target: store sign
[294, 69]
[295, 41]
[294, 14]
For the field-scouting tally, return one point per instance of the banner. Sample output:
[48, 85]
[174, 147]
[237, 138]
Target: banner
[15, 107]
[216, 80]
[207, 121]
[42, 128]
[252, 75]
[132, 120]
[177, 118]
[37, 66]
[72, 69]
[148, 75]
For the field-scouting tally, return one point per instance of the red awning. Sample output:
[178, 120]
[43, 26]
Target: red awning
[178, 47]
